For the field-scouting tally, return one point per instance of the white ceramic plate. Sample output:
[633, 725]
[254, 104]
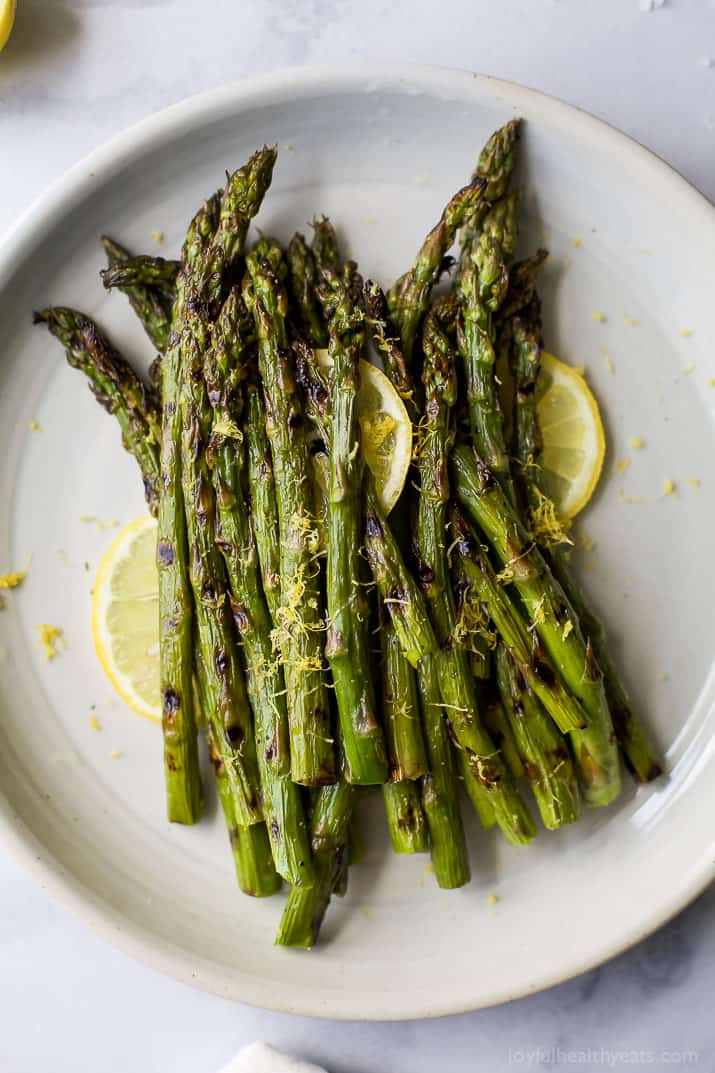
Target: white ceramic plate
[380, 152]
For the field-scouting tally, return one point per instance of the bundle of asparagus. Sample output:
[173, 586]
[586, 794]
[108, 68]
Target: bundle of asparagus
[491, 671]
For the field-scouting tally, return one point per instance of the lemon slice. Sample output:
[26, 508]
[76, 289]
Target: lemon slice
[385, 431]
[125, 617]
[7, 19]
[574, 443]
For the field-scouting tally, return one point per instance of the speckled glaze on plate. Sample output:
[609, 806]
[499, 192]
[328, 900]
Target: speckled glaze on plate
[380, 152]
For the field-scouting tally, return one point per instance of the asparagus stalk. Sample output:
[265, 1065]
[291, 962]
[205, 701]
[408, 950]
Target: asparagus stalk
[639, 753]
[325, 245]
[298, 620]
[152, 291]
[522, 286]
[262, 489]
[502, 734]
[250, 846]
[225, 369]
[403, 601]
[303, 275]
[494, 167]
[330, 827]
[496, 160]
[440, 789]
[406, 819]
[544, 752]
[482, 286]
[139, 271]
[481, 587]
[475, 792]
[501, 224]
[115, 385]
[456, 683]
[400, 706]
[228, 708]
[525, 363]
[409, 296]
[397, 588]
[346, 645]
[176, 616]
[390, 347]
[405, 747]
[228, 704]
[553, 618]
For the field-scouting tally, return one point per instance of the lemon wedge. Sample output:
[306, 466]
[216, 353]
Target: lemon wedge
[385, 431]
[7, 20]
[574, 443]
[125, 617]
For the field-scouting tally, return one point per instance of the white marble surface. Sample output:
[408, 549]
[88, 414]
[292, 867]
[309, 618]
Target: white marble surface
[73, 74]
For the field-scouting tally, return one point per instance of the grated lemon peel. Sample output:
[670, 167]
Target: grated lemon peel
[52, 639]
[227, 428]
[13, 579]
[545, 525]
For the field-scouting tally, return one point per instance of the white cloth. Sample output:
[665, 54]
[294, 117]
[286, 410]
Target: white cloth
[260, 1058]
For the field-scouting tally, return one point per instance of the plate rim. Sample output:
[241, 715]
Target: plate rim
[68, 190]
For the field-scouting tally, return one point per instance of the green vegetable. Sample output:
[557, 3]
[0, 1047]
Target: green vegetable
[299, 619]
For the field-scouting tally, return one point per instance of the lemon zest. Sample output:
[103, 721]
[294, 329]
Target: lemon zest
[608, 363]
[92, 519]
[633, 321]
[115, 754]
[545, 525]
[686, 333]
[636, 443]
[669, 488]
[694, 481]
[539, 616]
[473, 621]
[34, 426]
[576, 242]
[158, 237]
[600, 317]
[51, 638]
[13, 579]
[689, 369]
[224, 426]
[94, 724]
